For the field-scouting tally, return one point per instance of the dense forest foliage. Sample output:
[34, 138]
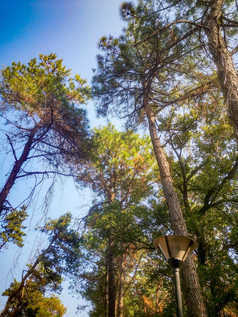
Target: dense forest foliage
[171, 79]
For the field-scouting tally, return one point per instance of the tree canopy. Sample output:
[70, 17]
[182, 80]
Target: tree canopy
[45, 273]
[155, 74]
[171, 78]
[116, 243]
[40, 104]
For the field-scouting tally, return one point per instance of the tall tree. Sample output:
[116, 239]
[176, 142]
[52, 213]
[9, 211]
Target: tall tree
[45, 273]
[122, 175]
[138, 82]
[212, 24]
[40, 104]
[141, 278]
[203, 160]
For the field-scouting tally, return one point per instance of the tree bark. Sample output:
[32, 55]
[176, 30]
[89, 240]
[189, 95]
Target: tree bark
[120, 288]
[111, 281]
[195, 304]
[15, 170]
[222, 58]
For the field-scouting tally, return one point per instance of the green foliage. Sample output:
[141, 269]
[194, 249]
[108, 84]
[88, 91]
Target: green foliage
[63, 250]
[121, 225]
[32, 302]
[41, 104]
[47, 100]
[143, 64]
[11, 227]
[156, 62]
[122, 165]
[31, 88]
[46, 273]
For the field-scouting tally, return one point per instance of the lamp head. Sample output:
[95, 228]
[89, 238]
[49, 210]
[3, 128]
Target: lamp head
[175, 248]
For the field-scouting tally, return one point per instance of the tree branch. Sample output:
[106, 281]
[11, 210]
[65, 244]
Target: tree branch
[170, 24]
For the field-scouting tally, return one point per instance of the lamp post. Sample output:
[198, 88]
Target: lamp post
[175, 250]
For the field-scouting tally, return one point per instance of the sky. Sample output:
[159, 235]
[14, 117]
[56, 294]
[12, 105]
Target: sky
[71, 29]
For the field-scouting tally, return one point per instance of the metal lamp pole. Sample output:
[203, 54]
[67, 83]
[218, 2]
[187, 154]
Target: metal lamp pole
[175, 250]
[178, 293]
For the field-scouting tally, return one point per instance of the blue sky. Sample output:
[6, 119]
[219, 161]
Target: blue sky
[71, 29]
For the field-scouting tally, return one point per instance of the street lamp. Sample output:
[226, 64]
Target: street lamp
[175, 250]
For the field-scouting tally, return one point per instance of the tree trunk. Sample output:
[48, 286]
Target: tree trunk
[120, 287]
[15, 170]
[111, 281]
[192, 289]
[222, 58]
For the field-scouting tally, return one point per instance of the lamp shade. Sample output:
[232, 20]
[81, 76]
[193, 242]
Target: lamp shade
[175, 248]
